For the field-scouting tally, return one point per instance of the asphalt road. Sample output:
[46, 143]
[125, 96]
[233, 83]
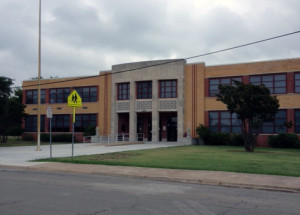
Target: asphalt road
[32, 192]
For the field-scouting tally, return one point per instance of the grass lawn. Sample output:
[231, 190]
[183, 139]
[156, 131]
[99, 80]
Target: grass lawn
[218, 158]
[12, 141]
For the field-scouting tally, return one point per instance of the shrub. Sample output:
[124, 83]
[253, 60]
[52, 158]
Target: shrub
[45, 137]
[28, 137]
[57, 137]
[89, 131]
[236, 140]
[284, 141]
[221, 139]
[203, 133]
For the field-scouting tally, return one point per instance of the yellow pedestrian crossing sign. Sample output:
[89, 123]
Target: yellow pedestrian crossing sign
[74, 99]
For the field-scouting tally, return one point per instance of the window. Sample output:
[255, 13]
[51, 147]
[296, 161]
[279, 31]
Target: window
[61, 123]
[297, 121]
[275, 83]
[87, 94]
[84, 120]
[32, 96]
[223, 121]
[276, 125]
[123, 91]
[297, 82]
[215, 82]
[59, 95]
[31, 123]
[144, 90]
[168, 89]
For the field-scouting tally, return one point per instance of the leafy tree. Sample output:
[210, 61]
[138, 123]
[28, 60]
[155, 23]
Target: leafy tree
[11, 110]
[252, 104]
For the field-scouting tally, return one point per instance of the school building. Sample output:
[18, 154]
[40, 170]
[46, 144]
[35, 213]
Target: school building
[165, 100]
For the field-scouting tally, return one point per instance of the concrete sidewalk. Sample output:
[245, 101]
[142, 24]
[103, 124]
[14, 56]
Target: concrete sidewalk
[256, 181]
[18, 157]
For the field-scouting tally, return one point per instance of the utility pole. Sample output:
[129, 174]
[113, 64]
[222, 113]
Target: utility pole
[39, 87]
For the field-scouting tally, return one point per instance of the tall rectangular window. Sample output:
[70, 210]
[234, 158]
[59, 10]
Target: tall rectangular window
[297, 121]
[144, 90]
[168, 89]
[87, 94]
[297, 82]
[276, 83]
[276, 125]
[215, 82]
[85, 120]
[123, 91]
[61, 123]
[32, 96]
[59, 95]
[223, 121]
[31, 123]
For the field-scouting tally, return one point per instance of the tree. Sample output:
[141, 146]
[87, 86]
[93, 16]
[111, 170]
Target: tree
[11, 110]
[252, 104]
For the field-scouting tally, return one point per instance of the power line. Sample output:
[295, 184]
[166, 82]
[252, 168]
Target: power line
[171, 61]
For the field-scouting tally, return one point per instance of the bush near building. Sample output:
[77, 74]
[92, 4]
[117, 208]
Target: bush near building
[284, 141]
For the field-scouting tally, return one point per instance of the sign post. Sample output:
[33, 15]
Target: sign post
[74, 101]
[49, 116]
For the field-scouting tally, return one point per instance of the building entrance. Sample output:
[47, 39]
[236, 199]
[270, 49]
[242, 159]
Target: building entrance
[144, 126]
[123, 123]
[168, 126]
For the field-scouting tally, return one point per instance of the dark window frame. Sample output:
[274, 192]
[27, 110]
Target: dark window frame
[64, 119]
[87, 96]
[81, 123]
[273, 88]
[123, 91]
[31, 96]
[144, 90]
[219, 127]
[297, 121]
[163, 89]
[212, 93]
[31, 123]
[297, 86]
[59, 98]
[273, 124]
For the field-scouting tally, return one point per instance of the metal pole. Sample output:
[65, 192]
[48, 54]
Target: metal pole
[39, 87]
[73, 132]
[50, 138]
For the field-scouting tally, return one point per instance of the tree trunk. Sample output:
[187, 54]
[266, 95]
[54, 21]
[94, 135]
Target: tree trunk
[249, 139]
[3, 139]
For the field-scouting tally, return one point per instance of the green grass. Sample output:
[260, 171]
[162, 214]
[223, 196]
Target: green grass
[217, 158]
[12, 142]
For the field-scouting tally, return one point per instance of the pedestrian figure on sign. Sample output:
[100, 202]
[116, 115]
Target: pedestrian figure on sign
[75, 98]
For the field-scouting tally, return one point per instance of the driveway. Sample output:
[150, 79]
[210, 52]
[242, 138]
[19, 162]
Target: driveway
[20, 156]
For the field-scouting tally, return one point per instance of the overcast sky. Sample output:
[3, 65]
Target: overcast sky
[83, 37]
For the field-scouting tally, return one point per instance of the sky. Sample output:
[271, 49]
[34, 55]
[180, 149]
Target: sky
[83, 37]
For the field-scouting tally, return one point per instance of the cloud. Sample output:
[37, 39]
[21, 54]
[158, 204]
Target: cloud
[81, 37]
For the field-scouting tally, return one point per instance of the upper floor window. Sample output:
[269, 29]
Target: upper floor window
[32, 96]
[144, 90]
[168, 89]
[223, 121]
[31, 123]
[61, 123]
[275, 125]
[59, 95]
[123, 91]
[87, 94]
[276, 83]
[85, 120]
[297, 82]
[297, 121]
[215, 82]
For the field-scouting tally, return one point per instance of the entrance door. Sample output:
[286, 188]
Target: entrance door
[144, 126]
[168, 126]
